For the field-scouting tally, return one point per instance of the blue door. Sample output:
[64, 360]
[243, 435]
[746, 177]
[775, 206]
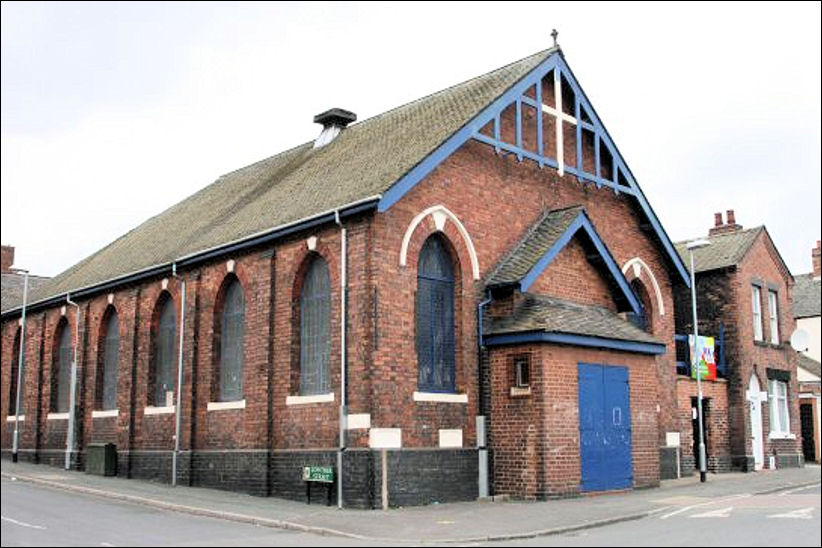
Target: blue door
[605, 427]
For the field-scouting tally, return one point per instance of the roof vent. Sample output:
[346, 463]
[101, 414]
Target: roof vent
[334, 121]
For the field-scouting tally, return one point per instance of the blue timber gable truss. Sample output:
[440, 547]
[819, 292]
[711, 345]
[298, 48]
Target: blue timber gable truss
[583, 223]
[621, 179]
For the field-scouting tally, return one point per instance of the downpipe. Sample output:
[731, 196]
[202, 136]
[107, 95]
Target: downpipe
[343, 352]
[482, 423]
[70, 435]
[16, 441]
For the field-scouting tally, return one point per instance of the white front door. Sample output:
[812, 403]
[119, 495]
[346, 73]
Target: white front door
[755, 401]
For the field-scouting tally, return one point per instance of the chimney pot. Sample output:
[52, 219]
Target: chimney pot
[731, 217]
[7, 259]
[717, 219]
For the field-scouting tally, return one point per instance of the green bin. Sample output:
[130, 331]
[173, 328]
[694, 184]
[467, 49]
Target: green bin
[101, 459]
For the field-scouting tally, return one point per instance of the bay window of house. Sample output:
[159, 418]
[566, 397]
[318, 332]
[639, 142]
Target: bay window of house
[773, 310]
[756, 296]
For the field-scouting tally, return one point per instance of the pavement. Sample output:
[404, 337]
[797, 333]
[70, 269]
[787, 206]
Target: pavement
[468, 522]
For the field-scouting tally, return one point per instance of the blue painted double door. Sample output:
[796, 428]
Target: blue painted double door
[605, 427]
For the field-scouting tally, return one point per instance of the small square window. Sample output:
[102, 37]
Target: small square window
[522, 371]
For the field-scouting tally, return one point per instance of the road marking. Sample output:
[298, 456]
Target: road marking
[22, 523]
[691, 507]
[789, 491]
[803, 513]
[721, 513]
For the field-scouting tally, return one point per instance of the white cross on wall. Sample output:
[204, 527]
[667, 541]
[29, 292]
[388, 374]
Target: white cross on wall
[560, 117]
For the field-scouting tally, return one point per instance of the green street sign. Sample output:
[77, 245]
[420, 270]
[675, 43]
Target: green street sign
[323, 474]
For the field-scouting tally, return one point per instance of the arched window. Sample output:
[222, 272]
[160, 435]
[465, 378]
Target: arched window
[164, 356]
[15, 362]
[435, 317]
[109, 363]
[643, 319]
[61, 381]
[231, 343]
[315, 324]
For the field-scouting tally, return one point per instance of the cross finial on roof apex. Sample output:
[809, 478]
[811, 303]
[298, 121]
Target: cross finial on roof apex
[554, 35]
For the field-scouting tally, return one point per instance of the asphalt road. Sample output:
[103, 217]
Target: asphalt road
[789, 518]
[36, 516]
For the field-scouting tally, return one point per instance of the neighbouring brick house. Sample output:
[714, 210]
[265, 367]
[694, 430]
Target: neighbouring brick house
[474, 273]
[745, 299]
[807, 309]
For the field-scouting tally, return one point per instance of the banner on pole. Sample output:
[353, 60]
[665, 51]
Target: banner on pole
[705, 362]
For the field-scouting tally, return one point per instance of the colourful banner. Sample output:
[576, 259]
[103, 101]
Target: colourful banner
[706, 361]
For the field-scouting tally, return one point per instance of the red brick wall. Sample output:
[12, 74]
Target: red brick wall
[570, 276]
[718, 439]
[536, 437]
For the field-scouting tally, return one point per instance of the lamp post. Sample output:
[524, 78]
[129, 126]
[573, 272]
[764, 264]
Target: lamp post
[697, 244]
[20, 360]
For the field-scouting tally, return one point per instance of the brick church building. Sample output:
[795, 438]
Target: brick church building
[473, 282]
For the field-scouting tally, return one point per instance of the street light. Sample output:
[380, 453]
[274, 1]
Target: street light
[697, 244]
[18, 395]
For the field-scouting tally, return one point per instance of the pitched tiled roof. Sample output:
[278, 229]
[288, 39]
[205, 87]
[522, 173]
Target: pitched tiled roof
[364, 161]
[12, 289]
[552, 315]
[810, 365]
[537, 241]
[807, 296]
[725, 250]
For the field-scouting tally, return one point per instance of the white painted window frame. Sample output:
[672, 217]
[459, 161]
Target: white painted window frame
[773, 310]
[778, 399]
[756, 301]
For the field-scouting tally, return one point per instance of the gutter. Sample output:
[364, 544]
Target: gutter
[260, 238]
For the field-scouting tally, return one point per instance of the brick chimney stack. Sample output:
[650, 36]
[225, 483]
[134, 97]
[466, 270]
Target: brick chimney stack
[724, 228]
[817, 271]
[7, 258]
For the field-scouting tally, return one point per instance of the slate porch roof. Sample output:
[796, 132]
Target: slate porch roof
[810, 365]
[807, 296]
[552, 315]
[362, 162]
[537, 241]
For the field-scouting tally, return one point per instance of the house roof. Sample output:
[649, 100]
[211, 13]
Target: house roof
[362, 162]
[810, 365]
[552, 315]
[807, 296]
[725, 250]
[12, 288]
[538, 240]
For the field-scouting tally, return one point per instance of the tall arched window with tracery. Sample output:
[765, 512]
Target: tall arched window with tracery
[435, 317]
[232, 334]
[109, 362]
[61, 372]
[315, 329]
[161, 379]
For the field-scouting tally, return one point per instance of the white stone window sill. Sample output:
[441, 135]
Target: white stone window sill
[57, 416]
[224, 405]
[13, 418]
[440, 398]
[104, 413]
[520, 391]
[167, 410]
[303, 400]
[781, 436]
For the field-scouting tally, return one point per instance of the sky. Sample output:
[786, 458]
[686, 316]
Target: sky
[111, 113]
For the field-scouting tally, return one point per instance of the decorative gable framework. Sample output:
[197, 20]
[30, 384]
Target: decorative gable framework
[551, 113]
[546, 239]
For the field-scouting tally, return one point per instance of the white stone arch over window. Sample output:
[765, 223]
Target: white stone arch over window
[638, 265]
[441, 215]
